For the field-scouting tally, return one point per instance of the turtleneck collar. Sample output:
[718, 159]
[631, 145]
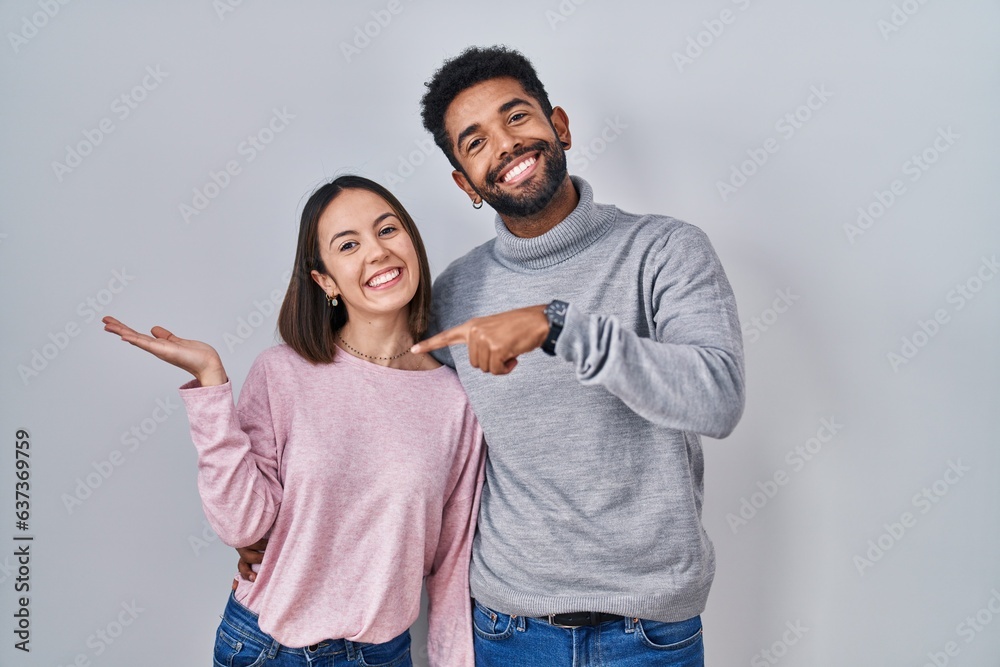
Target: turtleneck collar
[585, 225]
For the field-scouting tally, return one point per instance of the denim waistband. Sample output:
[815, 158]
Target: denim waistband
[244, 622]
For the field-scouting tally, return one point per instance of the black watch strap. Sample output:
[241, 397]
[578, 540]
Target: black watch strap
[555, 312]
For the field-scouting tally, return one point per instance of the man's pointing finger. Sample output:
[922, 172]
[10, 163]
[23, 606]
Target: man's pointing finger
[452, 336]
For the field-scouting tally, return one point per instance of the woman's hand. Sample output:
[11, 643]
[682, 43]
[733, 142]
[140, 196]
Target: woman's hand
[199, 359]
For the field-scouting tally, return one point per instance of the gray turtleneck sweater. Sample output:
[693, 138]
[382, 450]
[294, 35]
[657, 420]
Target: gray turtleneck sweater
[593, 492]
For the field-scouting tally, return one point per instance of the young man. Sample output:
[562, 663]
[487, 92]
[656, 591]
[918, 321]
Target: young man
[590, 548]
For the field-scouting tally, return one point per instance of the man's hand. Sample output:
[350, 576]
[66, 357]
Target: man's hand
[494, 341]
[251, 555]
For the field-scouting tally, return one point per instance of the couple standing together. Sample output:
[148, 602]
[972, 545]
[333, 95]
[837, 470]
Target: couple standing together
[363, 459]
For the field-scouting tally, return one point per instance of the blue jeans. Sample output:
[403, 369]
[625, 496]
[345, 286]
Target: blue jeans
[514, 641]
[239, 642]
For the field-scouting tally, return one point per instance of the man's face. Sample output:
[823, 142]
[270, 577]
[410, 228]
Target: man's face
[509, 151]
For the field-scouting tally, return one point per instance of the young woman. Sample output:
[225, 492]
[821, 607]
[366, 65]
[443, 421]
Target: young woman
[360, 461]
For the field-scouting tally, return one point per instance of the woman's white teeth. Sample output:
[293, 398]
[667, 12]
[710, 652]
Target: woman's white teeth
[383, 278]
[518, 169]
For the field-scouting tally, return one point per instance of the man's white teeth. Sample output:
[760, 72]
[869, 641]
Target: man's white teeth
[383, 278]
[518, 169]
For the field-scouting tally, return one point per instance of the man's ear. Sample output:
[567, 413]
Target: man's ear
[463, 182]
[560, 121]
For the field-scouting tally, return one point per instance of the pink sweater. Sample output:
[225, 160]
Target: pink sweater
[366, 482]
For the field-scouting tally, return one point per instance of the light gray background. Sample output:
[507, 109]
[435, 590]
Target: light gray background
[671, 132]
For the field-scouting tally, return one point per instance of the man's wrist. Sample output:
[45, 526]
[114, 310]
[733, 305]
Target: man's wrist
[555, 313]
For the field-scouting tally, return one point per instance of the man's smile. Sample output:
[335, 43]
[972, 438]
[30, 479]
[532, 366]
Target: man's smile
[520, 170]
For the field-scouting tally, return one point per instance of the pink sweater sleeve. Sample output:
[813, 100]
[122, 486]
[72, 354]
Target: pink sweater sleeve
[238, 459]
[449, 636]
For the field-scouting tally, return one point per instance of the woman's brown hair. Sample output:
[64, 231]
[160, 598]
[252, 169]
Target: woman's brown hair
[306, 322]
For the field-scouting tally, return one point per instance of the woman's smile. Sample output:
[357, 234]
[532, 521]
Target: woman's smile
[386, 278]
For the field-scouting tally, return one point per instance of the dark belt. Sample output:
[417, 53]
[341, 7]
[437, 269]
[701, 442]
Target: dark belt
[578, 619]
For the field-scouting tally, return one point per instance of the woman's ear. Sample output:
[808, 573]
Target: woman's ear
[325, 282]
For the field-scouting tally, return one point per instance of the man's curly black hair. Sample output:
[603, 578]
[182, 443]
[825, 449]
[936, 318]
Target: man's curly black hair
[475, 65]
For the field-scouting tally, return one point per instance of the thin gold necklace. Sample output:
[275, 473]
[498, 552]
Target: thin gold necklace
[362, 354]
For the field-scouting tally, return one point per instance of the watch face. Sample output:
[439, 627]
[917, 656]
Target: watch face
[557, 308]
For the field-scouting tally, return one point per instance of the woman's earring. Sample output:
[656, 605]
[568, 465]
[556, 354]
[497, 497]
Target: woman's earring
[478, 204]
[331, 300]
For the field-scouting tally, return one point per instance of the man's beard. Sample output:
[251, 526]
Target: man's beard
[534, 196]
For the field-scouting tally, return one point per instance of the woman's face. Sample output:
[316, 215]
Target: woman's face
[370, 259]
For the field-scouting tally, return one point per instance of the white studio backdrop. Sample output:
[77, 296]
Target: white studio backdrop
[840, 156]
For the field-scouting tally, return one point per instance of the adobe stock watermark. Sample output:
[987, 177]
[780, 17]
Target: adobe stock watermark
[7, 569]
[104, 637]
[88, 310]
[121, 107]
[31, 25]
[247, 150]
[787, 125]
[915, 167]
[778, 649]
[756, 326]
[132, 440]
[262, 312]
[924, 500]
[968, 629]
[365, 33]
[223, 7]
[408, 163]
[593, 149]
[959, 296]
[899, 16]
[796, 458]
[562, 12]
[202, 540]
[701, 41]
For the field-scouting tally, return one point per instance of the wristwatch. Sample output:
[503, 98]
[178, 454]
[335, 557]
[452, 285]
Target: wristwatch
[555, 312]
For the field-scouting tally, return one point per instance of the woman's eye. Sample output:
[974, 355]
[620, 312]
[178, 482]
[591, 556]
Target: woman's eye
[348, 245]
[385, 231]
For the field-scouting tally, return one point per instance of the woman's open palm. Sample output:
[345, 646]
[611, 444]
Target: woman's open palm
[199, 359]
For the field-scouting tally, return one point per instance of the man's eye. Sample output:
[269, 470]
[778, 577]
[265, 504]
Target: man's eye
[518, 116]
[473, 144]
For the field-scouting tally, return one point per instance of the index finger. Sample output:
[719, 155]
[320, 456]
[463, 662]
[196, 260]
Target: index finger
[118, 328]
[245, 570]
[452, 336]
[130, 335]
